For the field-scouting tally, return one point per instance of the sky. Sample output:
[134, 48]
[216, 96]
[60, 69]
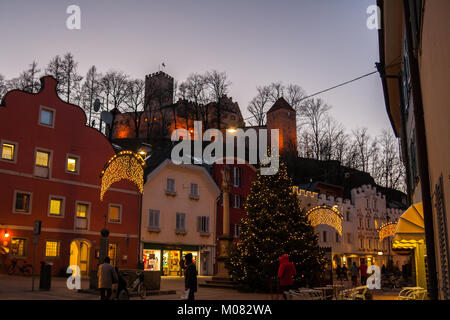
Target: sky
[313, 43]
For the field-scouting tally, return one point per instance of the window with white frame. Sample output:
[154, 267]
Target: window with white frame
[203, 224]
[153, 218]
[180, 223]
[237, 201]
[22, 202]
[8, 151]
[46, 117]
[237, 230]
[42, 163]
[115, 213]
[73, 164]
[194, 190]
[56, 206]
[170, 185]
[82, 216]
[237, 176]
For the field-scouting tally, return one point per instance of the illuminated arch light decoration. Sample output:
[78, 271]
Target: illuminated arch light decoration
[124, 165]
[387, 230]
[330, 216]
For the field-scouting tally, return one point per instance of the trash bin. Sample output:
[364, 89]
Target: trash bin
[45, 277]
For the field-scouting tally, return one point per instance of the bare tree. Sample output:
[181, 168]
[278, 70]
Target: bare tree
[90, 91]
[195, 90]
[364, 148]
[391, 169]
[276, 91]
[257, 106]
[134, 100]
[313, 113]
[218, 85]
[294, 95]
[30, 78]
[55, 69]
[3, 87]
[70, 78]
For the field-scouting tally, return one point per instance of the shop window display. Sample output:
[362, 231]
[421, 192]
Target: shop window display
[152, 259]
[171, 262]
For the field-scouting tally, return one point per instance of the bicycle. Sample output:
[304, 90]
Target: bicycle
[136, 287]
[26, 268]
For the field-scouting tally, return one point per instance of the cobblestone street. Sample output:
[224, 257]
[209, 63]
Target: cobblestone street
[16, 287]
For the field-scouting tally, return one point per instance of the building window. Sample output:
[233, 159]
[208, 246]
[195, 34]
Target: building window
[324, 236]
[368, 223]
[349, 238]
[8, 151]
[237, 201]
[46, 117]
[56, 206]
[72, 164]
[237, 176]
[203, 224]
[370, 244]
[180, 222]
[18, 247]
[52, 248]
[22, 202]
[82, 215]
[360, 222]
[237, 230]
[347, 216]
[115, 213]
[361, 243]
[194, 190]
[337, 237]
[42, 164]
[112, 253]
[170, 186]
[153, 218]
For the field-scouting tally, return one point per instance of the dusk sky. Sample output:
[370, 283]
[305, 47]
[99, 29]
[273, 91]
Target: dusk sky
[313, 43]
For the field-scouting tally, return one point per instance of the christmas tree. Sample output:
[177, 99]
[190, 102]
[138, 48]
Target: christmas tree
[275, 225]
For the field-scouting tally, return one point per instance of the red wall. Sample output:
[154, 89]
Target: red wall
[19, 117]
[248, 175]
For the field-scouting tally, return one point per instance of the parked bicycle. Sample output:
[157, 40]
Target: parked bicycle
[26, 268]
[137, 287]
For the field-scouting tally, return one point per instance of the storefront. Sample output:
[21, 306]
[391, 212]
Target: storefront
[168, 258]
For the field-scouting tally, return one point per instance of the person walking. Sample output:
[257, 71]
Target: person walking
[344, 272]
[106, 277]
[121, 284]
[190, 276]
[363, 271]
[339, 272]
[354, 274]
[181, 266]
[286, 273]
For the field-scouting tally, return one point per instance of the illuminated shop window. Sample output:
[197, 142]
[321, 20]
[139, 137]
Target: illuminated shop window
[18, 247]
[52, 248]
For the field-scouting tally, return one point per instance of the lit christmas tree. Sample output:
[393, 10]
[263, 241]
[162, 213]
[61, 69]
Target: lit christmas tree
[275, 225]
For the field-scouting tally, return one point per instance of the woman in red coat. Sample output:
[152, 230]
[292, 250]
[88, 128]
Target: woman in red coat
[286, 273]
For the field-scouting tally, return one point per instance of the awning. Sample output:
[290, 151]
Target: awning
[410, 229]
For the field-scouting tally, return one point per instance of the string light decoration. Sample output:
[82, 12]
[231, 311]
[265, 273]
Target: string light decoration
[274, 224]
[387, 230]
[330, 216]
[124, 165]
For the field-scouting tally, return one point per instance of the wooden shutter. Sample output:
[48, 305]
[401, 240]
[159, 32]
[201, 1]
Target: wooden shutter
[207, 224]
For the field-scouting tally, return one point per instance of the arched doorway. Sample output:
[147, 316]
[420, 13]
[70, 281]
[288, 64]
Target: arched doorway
[79, 256]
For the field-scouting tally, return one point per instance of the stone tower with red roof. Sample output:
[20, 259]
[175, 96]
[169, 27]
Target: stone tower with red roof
[283, 117]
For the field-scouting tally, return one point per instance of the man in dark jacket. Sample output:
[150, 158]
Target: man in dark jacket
[190, 276]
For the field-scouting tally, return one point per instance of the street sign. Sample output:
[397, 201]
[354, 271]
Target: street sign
[37, 227]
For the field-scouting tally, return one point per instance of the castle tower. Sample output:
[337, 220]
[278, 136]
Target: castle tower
[283, 117]
[158, 90]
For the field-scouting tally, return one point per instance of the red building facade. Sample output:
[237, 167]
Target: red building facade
[241, 177]
[50, 165]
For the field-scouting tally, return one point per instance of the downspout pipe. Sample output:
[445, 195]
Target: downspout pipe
[422, 157]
